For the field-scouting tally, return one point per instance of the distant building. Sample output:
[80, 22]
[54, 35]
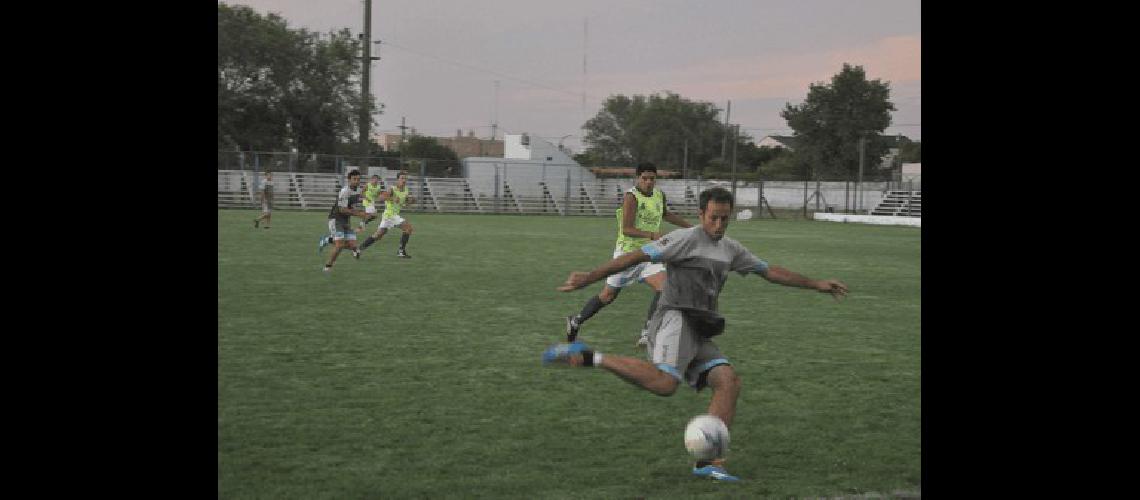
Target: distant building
[463, 146]
[470, 145]
[526, 161]
[778, 141]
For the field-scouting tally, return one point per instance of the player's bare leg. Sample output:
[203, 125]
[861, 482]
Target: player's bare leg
[332, 258]
[657, 283]
[407, 228]
[638, 372]
[725, 384]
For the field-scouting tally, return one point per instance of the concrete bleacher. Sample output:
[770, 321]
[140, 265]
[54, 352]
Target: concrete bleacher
[522, 194]
[900, 204]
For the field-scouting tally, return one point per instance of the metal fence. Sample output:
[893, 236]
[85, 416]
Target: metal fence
[564, 195]
[276, 161]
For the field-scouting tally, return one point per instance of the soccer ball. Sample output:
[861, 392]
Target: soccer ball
[706, 437]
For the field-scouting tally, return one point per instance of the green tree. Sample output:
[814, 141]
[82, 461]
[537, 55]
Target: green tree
[831, 121]
[653, 128]
[281, 88]
[910, 152]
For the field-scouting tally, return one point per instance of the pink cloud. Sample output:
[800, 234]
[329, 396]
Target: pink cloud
[895, 59]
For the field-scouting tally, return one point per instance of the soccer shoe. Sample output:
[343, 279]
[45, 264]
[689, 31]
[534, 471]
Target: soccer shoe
[355, 254]
[643, 340]
[256, 222]
[715, 473]
[565, 353]
[322, 243]
[571, 329]
[403, 254]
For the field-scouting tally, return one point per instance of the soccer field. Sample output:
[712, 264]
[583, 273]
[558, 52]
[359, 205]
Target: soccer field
[421, 378]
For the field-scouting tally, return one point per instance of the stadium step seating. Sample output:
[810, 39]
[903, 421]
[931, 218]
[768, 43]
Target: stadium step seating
[900, 204]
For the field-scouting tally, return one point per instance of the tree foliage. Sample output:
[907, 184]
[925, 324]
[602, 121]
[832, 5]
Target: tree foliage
[910, 152]
[833, 118]
[654, 128]
[281, 88]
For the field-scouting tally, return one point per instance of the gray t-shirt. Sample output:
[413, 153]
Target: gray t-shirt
[697, 267]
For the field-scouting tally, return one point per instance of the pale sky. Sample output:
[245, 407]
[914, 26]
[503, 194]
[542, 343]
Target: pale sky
[440, 58]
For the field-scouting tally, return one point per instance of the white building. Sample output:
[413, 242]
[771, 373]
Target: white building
[526, 162]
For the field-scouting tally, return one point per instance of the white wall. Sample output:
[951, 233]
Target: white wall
[538, 149]
[522, 176]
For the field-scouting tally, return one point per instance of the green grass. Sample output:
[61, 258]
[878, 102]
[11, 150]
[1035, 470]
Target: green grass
[420, 378]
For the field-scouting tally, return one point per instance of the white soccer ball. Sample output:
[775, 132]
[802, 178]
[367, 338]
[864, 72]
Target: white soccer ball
[706, 437]
[744, 214]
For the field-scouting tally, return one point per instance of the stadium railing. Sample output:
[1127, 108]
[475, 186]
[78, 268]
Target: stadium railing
[554, 196]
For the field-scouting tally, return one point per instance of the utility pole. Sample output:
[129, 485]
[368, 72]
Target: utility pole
[403, 134]
[735, 139]
[724, 142]
[495, 113]
[366, 77]
[685, 162]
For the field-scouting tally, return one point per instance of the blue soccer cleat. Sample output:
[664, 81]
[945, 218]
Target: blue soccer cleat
[715, 473]
[322, 243]
[562, 353]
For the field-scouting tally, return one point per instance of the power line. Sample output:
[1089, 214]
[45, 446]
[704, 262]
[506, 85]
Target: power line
[489, 71]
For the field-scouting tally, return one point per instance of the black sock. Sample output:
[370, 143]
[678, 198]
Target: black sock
[368, 242]
[702, 463]
[590, 309]
[404, 241]
[587, 358]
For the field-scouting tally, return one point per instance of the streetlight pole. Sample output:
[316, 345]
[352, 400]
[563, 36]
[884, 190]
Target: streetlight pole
[859, 182]
[735, 140]
[563, 138]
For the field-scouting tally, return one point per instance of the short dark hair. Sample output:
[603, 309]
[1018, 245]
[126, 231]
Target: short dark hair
[353, 172]
[403, 173]
[375, 176]
[717, 194]
[645, 167]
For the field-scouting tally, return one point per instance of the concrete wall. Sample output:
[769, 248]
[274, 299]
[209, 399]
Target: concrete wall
[537, 149]
[790, 194]
[523, 176]
[881, 220]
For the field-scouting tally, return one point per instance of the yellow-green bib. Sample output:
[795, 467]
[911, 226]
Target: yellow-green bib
[392, 207]
[650, 209]
[370, 194]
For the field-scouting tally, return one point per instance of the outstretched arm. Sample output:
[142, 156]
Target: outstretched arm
[781, 276]
[349, 211]
[625, 261]
[676, 219]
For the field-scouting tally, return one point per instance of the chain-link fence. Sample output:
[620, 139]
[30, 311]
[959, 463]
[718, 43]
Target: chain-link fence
[559, 192]
[261, 161]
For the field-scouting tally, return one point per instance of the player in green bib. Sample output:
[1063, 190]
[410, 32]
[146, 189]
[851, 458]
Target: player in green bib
[639, 222]
[395, 198]
[368, 198]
